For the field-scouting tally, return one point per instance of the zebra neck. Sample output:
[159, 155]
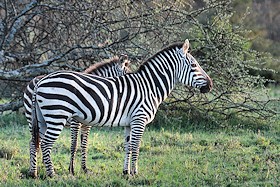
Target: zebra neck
[159, 77]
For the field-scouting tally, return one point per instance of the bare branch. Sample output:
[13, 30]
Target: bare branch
[39, 37]
[11, 106]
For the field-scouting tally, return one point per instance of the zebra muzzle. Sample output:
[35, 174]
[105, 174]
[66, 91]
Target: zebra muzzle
[208, 87]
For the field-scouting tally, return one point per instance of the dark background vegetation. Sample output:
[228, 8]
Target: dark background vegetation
[236, 42]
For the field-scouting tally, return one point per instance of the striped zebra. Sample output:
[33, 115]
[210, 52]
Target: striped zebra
[130, 101]
[108, 68]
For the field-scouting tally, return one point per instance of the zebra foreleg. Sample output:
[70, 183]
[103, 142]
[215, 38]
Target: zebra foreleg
[136, 135]
[84, 144]
[127, 148]
[75, 127]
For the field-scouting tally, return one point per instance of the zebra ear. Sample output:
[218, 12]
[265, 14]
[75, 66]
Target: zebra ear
[186, 46]
[124, 60]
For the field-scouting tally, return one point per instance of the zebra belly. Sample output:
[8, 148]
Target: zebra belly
[123, 122]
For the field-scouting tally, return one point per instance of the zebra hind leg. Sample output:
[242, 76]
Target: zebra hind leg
[84, 144]
[127, 148]
[33, 159]
[46, 146]
[34, 149]
[75, 127]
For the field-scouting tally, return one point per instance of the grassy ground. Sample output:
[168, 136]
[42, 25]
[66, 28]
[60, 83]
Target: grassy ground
[174, 152]
[168, 157]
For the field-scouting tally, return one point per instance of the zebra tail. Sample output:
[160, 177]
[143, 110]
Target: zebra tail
[35, 127]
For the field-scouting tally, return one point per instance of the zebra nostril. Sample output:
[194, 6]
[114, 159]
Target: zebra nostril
[204, 89]
[207, 87]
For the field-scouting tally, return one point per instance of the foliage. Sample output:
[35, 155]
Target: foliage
[262, 19]
[38, 37]
[170, 155]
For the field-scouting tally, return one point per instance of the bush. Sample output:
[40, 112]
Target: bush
[139, 29]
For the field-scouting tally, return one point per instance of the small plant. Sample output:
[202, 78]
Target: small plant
[8, 152]
[262, 141]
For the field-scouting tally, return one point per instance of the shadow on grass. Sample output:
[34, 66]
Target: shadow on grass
[182, 122]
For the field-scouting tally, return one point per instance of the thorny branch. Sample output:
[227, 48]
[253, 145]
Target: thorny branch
[39, 37]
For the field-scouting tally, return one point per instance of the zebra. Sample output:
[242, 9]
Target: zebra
[115, 66]
[130, 101]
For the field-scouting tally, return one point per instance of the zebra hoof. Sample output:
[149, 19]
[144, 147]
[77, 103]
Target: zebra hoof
[133, 172]
[51, 175]
[33, 175]
[71, 171]
[87, 171]
[125, 172]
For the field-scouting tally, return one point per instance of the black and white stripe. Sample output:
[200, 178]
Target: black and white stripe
[113, 67]
[130, 100]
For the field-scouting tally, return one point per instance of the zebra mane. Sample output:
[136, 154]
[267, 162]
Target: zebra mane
[172, 46]
[101, 64]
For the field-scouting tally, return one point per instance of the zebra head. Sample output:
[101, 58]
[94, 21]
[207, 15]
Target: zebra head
[123, 65]
[114, 67]
[191, 73]
[120, 66]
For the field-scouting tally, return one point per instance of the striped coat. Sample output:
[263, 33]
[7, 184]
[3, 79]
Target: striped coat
[130, 100]
[112, 67]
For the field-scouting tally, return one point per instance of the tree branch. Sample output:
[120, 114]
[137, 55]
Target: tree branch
[11, 106]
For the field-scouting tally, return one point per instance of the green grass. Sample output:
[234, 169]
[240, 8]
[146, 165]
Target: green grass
[4, 100]
[175, 151]
[168, 157]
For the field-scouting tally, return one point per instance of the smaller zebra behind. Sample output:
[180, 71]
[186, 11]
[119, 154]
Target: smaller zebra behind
[108, 68]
